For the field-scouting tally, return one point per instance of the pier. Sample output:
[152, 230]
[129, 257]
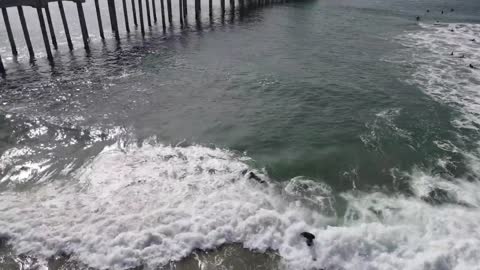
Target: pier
[43, 10]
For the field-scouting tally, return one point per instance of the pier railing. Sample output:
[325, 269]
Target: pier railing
[43, 6]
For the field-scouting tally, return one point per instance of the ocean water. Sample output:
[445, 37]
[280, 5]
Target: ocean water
[362, 123]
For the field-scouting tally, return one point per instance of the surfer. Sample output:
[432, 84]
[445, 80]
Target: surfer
[309, 237]
[255, 177]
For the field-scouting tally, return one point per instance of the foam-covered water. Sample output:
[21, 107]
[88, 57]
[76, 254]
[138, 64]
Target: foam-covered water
[446, 77]
[153, 203]
[156, 203]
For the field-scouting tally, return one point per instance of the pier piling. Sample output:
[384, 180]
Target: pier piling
[185, 9]
[125, 14]
[50, 27]
[169, 11]
[210, 8]
[154, 9]
[180, 11]
[99, 19]
[65, 25]
[197, 9]
[113, 18]
[83, 26]
[134, 14]
[44, 33]
[48, 35]
[140, 11]
[2, 68]
[162, 6]
[149, 19]
[9, 31]
[26, 35]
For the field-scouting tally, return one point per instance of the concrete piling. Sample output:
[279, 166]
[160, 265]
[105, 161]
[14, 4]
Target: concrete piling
[9, 31]
[26, 34]
[65, 25]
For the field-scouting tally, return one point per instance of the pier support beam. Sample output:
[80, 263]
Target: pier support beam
[140, 11]
[44, 34]
[154, 9]
[163, 14]
[169, 11]
[9, 31]
[83, 25]
[99, 19]
[185, 10]
[50, 27]
[222, 6]
[210, 8]
[197, 9]
[65, 25]
[113, 18]
[125, 14]
[180, 10]
[149, 19]
[2, 68]
[25, 32]
[134, 13]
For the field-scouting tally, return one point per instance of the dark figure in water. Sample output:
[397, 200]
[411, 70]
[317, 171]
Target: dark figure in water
[418, 18]
[451, 53]
[255, 177]
[472, 40]
[428, 10]
[451, 30]
[462, 56]
[452, 10]
[472, 66]
[442, 11]
[308, 238]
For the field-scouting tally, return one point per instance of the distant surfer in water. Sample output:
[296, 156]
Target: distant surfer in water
[472, 66]
[418, 18]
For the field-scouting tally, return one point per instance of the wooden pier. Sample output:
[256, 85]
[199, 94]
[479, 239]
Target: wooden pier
[48, 31]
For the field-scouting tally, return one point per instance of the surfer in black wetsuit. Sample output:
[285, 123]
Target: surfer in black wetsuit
[472, 66]
[309, 237]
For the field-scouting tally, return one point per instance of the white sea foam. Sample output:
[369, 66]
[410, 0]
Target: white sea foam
[152, 204]
[448, 78]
